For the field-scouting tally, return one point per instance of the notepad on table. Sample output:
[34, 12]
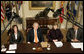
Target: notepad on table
[77, 45]
[10, 51]
[12, 46]
[58, 44]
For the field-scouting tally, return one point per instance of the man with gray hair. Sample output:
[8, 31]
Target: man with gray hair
[35, 35]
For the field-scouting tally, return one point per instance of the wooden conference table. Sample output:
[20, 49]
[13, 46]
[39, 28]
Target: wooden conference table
[27, 48]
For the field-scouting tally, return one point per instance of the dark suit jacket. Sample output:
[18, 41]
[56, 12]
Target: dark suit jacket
[71, 34]
[19, 38]
[54, 34]
[30, 35]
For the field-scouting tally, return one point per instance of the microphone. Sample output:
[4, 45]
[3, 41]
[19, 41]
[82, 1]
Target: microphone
[8, 12]
[12, 15]
[57, 12]
[44, 13]
[17, 18]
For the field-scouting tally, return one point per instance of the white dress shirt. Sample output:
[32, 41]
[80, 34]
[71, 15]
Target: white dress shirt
[75, 33]
[16, 36]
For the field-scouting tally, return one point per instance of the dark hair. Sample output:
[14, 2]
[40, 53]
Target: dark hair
[13, 28]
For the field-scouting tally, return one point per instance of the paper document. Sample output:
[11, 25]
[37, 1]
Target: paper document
[77, 45]
[4, 49]
[81, 46]
[10, 51]
[12, 46]
[58, 44]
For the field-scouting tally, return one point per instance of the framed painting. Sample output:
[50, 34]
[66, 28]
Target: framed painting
[40, 5]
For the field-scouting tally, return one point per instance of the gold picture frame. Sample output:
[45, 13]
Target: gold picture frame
[40, 5]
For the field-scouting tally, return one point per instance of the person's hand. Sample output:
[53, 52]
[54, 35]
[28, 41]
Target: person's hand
[55, 40]
[28, 42]
[74, 40]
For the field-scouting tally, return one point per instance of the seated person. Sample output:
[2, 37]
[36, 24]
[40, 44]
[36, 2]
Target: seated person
[74, 34]
[16, 36]
[54, 34]
[35, 34]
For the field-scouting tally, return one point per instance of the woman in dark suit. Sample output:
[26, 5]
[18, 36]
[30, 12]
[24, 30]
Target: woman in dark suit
[16, 36]
[54, 34]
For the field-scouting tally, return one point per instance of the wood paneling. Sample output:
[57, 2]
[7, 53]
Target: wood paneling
[29, 22]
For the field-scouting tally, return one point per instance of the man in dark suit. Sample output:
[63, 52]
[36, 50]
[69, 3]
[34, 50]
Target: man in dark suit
[75, 34]
[35, 34]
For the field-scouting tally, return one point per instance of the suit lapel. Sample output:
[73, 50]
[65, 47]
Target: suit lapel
[14, 36]
[73, 33]
[38, 34]
[33, 34]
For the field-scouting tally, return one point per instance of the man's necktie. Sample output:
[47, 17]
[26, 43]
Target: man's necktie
[36, 37]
